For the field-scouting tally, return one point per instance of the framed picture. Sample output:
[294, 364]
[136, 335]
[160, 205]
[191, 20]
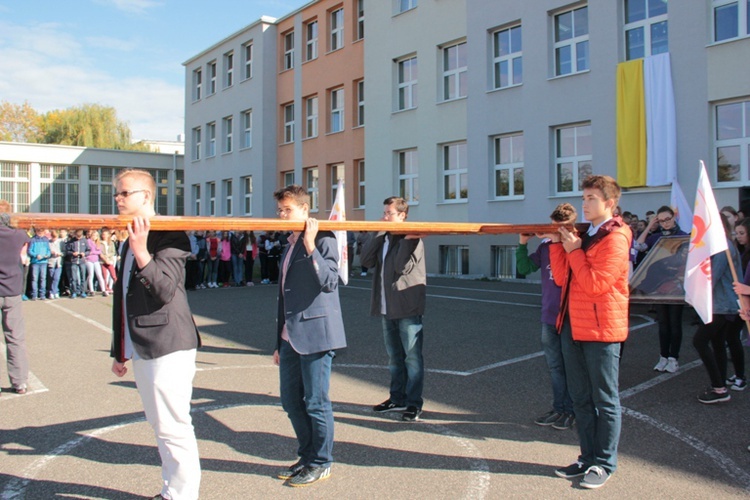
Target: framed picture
[659, 277]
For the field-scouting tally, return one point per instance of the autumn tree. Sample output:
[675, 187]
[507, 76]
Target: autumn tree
[19, 123]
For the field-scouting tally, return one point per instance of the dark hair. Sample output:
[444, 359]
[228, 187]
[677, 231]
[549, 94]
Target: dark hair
[604, 183]
[564, 212]
[729, 209]
[725, 223]
[665, 208]
[294, 192]
[744, 223]
[400, 204]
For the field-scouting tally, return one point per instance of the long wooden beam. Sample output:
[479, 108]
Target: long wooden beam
[197, 223]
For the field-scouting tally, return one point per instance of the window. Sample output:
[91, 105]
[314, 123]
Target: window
[247, 128]
[360, 19]
[408, 175]
[361, 184]
[572, 41]
[228, 69]
[731, 19]
[228, 197]
[407, 83]
[197, 84]
[311, 184]
[211, 138]
[454, 71]
[509, 152]
[311, 44]
[289, 50]
[336, 174]
[455, 172]
[226, 132]
[196, 199]
[311, 117]
[179, 192]
[60, 188]
[212, 78]
[288, 178]
[573, 157]
[288, 123]
[404, 5]
[360, 103]
[161, 177]
[503, 261]
[211, 198]
[645, 28]
[197, 143]
[101, 189]
[14, 185]
[337, 29]
[247, 55]
[732, 142]
[337, 110]
[507, 57]
[247, 195]
[454, 260]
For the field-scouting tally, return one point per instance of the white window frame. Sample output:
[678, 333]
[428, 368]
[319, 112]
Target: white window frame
[229, 69]
[197, 84]
[311, 117]
[360, 19]
[454, 260]
[743, 29]
[361, 182]
[197, 143]
[311, 42]
[247, 54]
[288, 51]
[360, 103]
[228, 197]
[509, 60]
[646, 27]
[400, 6]
[336, 39]
[227, 126]
[288, 111]
[455, 170]
[247, 129]
[455, 76]
[574, 43]
[510, 163]
[211, 188]
[312, 184]
[407, 76]
[740, 141]
[336, 172]
[407, 167]
[212, 78]
[578, 160]
[337, 110]
[196, 199]
[247, 195]
[211, 138]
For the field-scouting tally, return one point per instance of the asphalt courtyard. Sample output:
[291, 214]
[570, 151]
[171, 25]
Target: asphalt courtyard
[79, 432]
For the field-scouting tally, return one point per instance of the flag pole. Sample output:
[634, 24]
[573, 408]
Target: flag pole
[735, 279]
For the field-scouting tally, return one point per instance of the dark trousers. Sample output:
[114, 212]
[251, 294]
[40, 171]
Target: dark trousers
[710, 342]
[670, 329]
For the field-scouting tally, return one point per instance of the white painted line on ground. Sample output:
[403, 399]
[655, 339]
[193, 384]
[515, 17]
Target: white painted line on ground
[467, 299]
[90, 321]
[33, 384]
[658, 379]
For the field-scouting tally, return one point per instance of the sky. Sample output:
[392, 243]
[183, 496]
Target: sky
[126, 54]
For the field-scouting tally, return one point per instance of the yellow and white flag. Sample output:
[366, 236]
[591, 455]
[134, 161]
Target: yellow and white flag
[338, 212]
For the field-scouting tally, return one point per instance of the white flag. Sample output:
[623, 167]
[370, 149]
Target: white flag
[707, 238]
[682, 213]
[338, 212]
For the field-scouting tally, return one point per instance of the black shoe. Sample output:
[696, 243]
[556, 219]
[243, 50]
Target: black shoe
[573, 470]
[309, 475]
[712, 397]
[411, 414]
[291, 471]
[548, 418]
[387, 406]
[565, 422]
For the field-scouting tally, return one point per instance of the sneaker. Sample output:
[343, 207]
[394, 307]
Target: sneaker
[595, 478]
[291, 471]
[672, 365]
[571, 471]
[309, 475]
[711, 396]
[411, 414]
[73, 296]
[731, 379]
[565, 422]
[387, 406]
[83, 295]
[363, 274]
[548, 418]
[738, 384]
[661, 365]
[265, 282]
[249, 283]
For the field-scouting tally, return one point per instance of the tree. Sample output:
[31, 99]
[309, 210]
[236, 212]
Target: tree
[19, 123]
[90, 125]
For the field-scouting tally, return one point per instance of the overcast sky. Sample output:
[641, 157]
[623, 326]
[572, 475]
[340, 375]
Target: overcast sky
[127, 54]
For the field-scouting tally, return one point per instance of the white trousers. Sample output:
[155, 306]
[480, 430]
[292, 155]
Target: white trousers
[165, 385]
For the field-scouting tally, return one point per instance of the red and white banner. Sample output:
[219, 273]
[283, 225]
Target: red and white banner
[706, 239]
[338, 212]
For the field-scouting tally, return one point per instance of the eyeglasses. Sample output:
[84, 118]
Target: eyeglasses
[665, 219]
[390, 214]
[125, 194]
[284, 211]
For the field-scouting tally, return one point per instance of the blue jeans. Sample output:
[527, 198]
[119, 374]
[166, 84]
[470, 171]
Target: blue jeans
[237, 262]
[54, 276]
[76, 277]
[592, 370]
[38, 280]
[213, 270]
[305, 379]
[551, 344]
[403, 342]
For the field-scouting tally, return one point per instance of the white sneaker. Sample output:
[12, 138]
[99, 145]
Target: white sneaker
[661, 365]
[363, 274]
[672, 365]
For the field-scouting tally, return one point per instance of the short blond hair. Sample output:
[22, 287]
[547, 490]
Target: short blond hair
[141, 175]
